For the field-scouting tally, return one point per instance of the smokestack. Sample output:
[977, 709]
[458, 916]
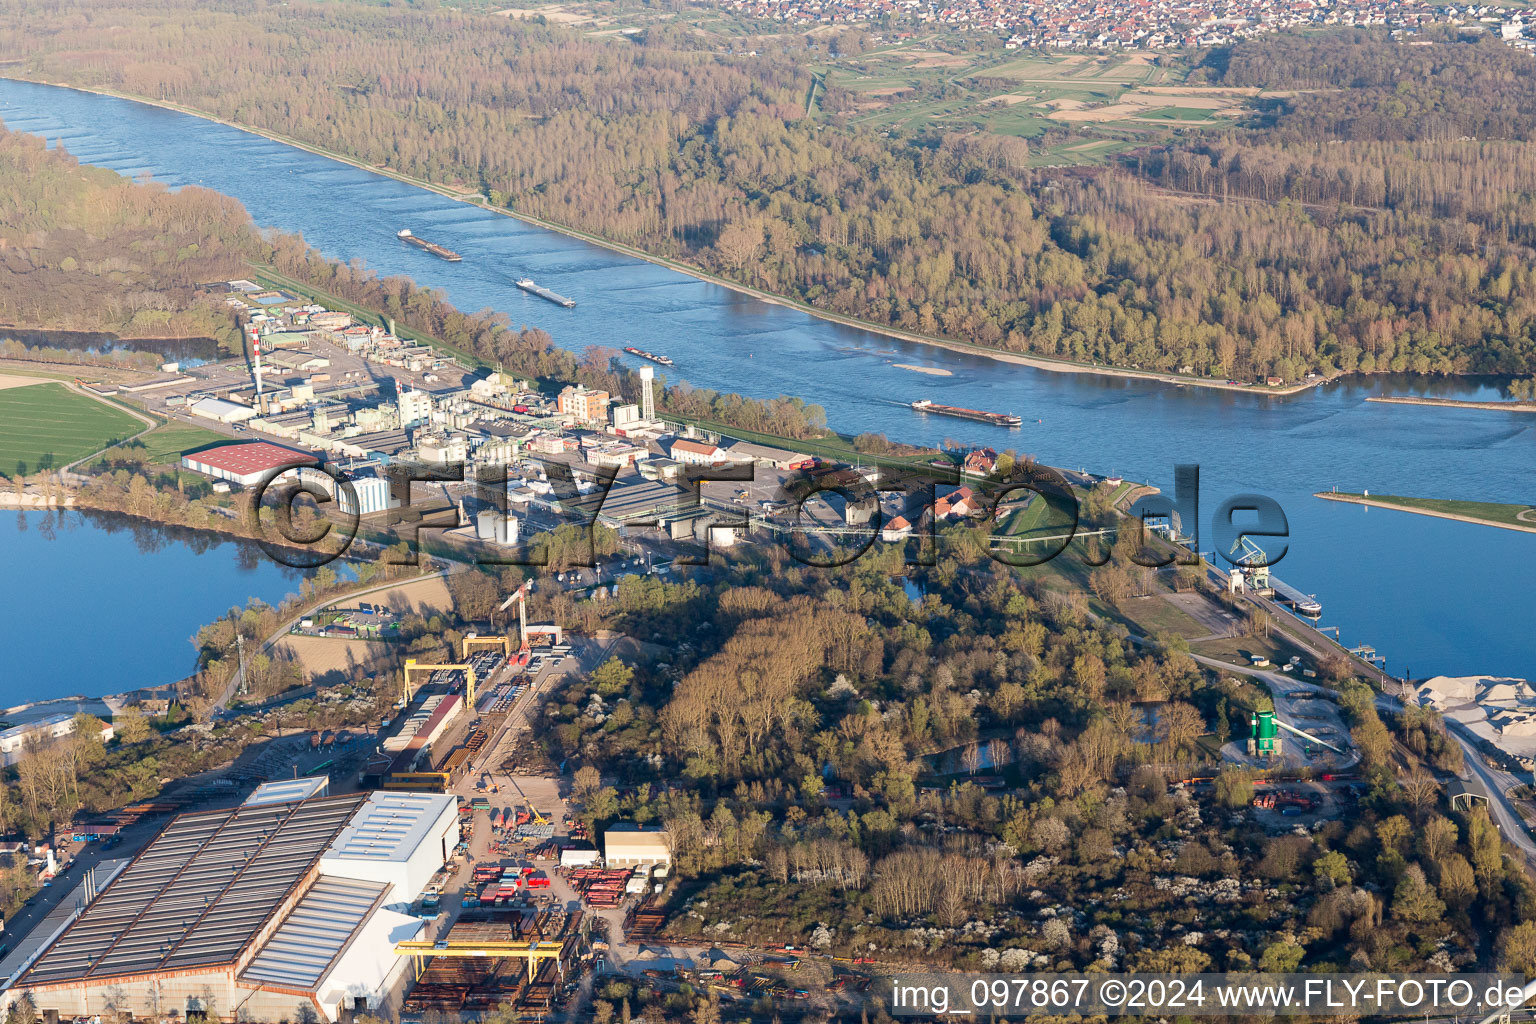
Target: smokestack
[256, 351]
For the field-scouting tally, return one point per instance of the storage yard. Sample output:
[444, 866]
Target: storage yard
[455, 882]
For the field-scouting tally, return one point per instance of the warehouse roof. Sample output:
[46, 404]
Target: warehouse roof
[390, 826]
[314, 935]
[252, 457]
[218, 408]
[198, 894]
[631, 837]
[286, 791]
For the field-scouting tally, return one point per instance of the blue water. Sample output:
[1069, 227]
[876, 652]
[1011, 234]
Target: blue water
[101, 604]
[1434, 596]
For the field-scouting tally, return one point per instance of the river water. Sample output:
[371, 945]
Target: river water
[1433, 595]
[98, 604]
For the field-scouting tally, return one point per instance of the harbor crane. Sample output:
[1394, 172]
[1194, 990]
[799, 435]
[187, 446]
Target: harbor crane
[520, 596]
[418, 950]
[411, 665]
[1251, 561]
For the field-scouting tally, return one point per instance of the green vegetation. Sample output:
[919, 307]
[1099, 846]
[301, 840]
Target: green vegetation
[47, 426]
[1520, 517]
[163, 446]
[1081, 109]
[800, 713]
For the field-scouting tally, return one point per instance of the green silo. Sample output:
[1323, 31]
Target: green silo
[1265, 741]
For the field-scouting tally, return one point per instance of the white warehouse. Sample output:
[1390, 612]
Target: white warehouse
[280, 909]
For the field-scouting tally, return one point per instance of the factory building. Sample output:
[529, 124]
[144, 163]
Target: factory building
[580, 404]
[221, 410]
[415, 407]
[369, 494]
[630, 846]
[247, 463]
[285, 908]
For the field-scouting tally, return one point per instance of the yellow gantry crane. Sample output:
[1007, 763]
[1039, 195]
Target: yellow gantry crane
[473, 641]
[411, 665]
[418, 950]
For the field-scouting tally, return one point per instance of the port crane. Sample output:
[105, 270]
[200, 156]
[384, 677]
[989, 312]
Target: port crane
[412, 665]
[1251, 561]
[520, 597]
[418, 950]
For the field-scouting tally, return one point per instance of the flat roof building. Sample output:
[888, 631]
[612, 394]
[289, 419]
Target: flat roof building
[630, 846]
[279, 909]
[221, 410]
[246, 463]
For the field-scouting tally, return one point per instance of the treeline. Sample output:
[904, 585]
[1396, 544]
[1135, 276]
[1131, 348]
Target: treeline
[672, 143]
[1442, 85]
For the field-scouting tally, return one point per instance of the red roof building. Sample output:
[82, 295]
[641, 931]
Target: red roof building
[246, 463]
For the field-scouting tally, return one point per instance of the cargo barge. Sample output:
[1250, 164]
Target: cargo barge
[404, 234]
[527, 285]
[653, 357]
[999, 419]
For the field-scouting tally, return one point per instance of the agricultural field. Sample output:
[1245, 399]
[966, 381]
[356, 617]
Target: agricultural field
[47, 426]
[164, 445]
[1081, 108]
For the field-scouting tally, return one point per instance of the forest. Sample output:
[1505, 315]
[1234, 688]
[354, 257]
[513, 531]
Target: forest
[80, 249]
[84, 249]
[801, 719]
[1375, 227]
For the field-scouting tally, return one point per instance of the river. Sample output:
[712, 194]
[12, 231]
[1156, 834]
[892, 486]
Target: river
[1434, 596]
[98, 604]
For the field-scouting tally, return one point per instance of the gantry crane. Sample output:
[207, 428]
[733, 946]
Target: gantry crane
[418, 950]
[473, 640]
[1251, 561]
[411, 665]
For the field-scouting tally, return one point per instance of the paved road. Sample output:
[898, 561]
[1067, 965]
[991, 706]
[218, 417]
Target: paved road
[149, 423]
[282, 631]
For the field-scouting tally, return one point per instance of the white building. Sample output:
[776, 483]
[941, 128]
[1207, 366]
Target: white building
[279, 909]
[696, 453]
[221, 410]
[415, 407]
[441, 450]
[630, 846]
[369, 494]
[397, 838]
[14, 741]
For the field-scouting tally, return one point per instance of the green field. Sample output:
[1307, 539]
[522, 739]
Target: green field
[1080, 109]
[47, 426]
[164, 445]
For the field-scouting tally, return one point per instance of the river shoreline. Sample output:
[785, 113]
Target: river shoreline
[1454, 403]
[476, 200]
[1355, 499]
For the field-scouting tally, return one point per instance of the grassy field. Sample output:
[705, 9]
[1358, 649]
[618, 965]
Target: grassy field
[1081, 108]
[1488, 512]
[46, 426]
[165, 445]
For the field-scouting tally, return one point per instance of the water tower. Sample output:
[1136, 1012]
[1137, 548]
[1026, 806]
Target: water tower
[647, 400]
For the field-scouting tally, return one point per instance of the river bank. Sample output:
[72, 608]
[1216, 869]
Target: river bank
[475, 199]
[1512, 516]
[1454, 403]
